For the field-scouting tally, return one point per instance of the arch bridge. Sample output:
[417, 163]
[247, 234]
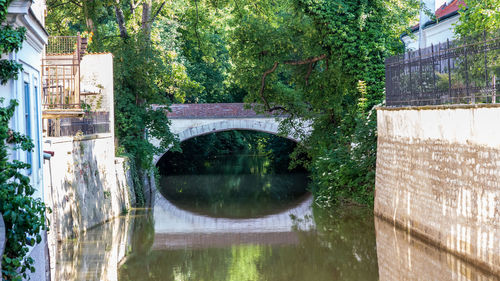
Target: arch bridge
[193, 120]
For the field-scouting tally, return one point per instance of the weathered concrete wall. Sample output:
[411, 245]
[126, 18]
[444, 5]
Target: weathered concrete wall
[84, 187]
[438, 175]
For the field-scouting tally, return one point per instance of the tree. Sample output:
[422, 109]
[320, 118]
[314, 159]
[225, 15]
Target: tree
[479, 16]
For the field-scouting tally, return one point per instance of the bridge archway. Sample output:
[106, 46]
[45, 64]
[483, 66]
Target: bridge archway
[193, 120]
[270, 126]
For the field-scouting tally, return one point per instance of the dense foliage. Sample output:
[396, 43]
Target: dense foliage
[479, 16]
[321, 62]
[24, 216]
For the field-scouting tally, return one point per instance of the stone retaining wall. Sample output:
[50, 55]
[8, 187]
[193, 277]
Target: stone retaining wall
[438, 176]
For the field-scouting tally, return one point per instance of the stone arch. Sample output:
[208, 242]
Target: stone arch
[265, 125]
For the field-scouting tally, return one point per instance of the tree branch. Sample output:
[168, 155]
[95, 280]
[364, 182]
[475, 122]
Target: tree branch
[133, 5]
[157, 12]
[306, 61]
[312, 63]
[263, 86]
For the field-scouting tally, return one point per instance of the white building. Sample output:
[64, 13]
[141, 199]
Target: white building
[26, 90]
[438, 30]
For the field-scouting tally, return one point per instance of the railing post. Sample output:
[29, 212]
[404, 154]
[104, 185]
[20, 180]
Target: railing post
[433, 74]
[486, 62]
[409, 83]
[421, 86]
[494, 97]
[449, 67]
[473, 97]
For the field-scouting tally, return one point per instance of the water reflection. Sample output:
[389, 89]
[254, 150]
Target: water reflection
[96, 254]
[404, 257]
[340, 247]
[237, 186]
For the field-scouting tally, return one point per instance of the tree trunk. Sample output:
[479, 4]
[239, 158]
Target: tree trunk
[146, 19]
[120, 19]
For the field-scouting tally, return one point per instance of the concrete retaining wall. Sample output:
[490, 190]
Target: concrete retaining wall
[438, 175]
[83, 186]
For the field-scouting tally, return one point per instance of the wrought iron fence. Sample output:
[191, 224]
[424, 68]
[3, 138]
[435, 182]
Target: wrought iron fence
[465, 71]
[91, 123]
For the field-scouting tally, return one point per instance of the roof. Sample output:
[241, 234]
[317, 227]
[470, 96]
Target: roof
[446, 10]
[443, 12]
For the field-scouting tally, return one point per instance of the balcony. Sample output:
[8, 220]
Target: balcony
[61, 77]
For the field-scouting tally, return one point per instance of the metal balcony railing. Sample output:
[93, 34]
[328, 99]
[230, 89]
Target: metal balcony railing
[61, 76]
[465, 71]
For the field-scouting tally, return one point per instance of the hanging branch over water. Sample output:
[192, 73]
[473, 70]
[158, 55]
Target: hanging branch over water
[312, 63]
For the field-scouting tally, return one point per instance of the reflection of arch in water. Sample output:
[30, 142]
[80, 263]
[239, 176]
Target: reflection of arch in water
[204, 187]
[175, 227]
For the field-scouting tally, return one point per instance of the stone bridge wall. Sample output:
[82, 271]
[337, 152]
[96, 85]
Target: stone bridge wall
[438, 176]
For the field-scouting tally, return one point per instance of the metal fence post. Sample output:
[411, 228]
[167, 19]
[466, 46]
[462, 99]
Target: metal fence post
[486, 62]
[473, 97]
[449, 67]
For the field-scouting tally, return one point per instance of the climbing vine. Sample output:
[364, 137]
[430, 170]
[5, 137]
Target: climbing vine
[11, 40]
[24, 216]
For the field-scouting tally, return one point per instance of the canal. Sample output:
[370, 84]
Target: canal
[243, 217]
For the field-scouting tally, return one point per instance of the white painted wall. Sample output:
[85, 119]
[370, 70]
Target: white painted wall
[96, 76]
[433, 35]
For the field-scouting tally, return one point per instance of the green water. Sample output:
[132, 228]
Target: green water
[247, 189]
[237, 218]
[342, 248]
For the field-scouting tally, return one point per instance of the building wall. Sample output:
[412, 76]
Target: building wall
[438, 175]
[97, 77]
[433, 35]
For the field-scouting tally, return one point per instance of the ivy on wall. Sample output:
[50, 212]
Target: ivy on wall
[11, 40]
[24, 216]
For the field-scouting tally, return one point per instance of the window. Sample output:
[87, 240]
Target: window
[27, 117]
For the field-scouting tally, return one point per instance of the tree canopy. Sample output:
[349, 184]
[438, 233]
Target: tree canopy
[319, 61]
